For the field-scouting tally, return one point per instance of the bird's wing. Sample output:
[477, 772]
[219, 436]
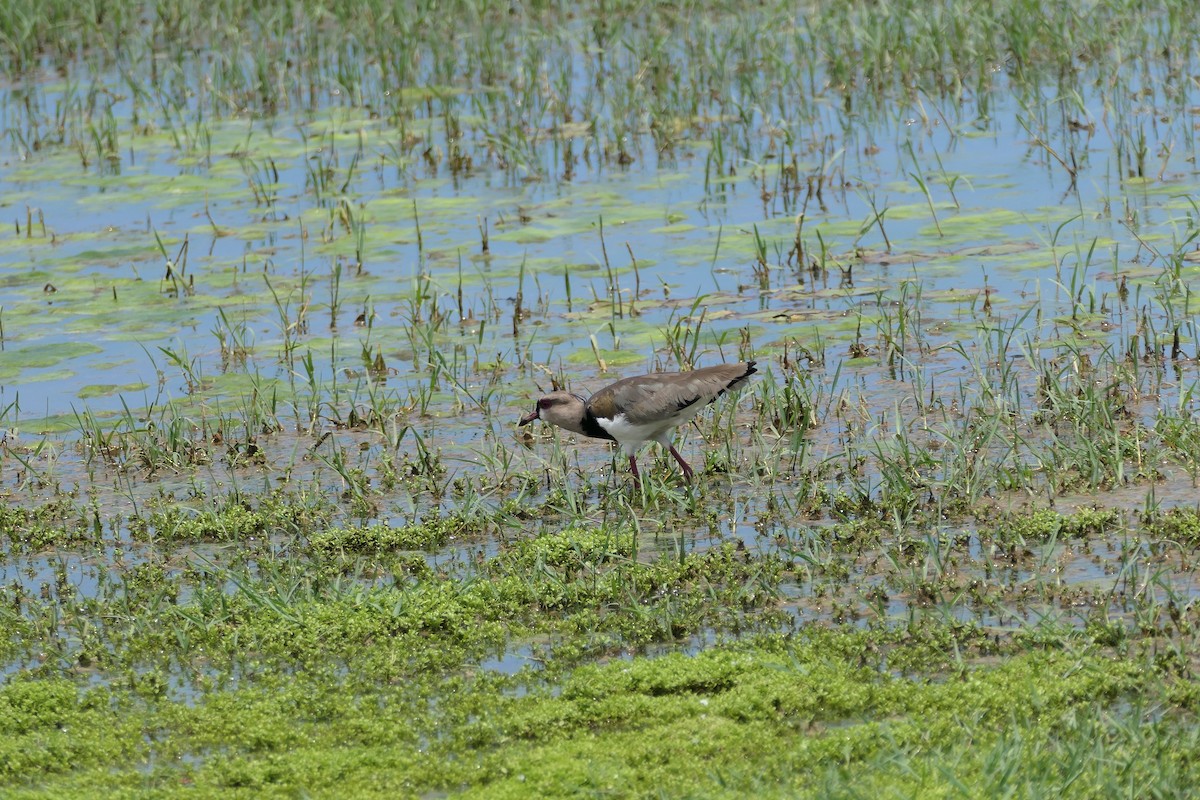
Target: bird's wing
[663, 397]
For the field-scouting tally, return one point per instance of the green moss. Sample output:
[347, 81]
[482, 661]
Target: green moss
[47, 726]
[823, 714]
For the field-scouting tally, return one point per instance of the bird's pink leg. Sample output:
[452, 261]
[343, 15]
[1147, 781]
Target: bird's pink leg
[637, 479]
[687, 470]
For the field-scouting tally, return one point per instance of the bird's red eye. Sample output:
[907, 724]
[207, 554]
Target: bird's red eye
[545, 403]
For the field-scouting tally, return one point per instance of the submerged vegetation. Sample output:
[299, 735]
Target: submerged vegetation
[281, 277]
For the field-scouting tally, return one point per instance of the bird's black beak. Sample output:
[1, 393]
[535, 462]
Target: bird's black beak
[530, 417]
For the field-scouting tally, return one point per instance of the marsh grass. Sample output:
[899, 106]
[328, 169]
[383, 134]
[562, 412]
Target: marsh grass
[313, 558]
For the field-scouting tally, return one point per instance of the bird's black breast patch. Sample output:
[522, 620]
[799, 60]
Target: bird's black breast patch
[592, 428]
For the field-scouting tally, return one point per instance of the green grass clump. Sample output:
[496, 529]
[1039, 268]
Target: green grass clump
[236, 520]
[1180, 524]
[427, 535]
[572, 549]
[1042, 524]
[57, 523]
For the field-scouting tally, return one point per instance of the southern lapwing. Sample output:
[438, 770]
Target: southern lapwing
[647, 408]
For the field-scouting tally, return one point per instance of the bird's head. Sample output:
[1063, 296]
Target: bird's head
[558, 408]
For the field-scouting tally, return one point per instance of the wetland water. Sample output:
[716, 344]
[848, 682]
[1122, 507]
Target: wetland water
[273, 296]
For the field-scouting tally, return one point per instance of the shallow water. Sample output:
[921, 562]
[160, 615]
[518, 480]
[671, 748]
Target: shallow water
[321, 270]
[96, 278]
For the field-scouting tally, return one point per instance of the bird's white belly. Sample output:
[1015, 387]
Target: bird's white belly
[631, 436]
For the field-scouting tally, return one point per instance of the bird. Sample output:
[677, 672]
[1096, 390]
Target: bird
[642, 409]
